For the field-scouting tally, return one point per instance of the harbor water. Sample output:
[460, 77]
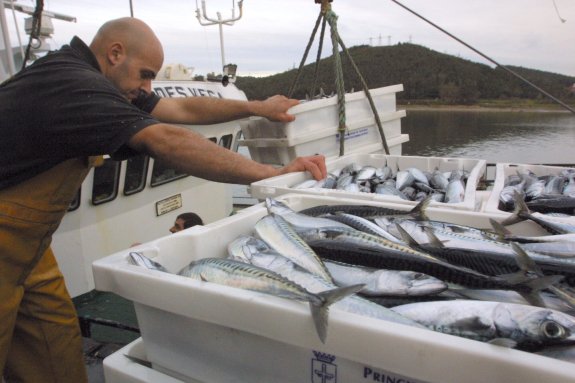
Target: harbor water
[496, 136]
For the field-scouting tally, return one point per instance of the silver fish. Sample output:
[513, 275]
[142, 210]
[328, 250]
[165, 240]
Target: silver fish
[508, 296]
[365, 173]
[554, 186]
[300, 222]
[381, 282]
[489, 321]
[569, 189]
[269, 259]
[139, 259]
[418, 175]
[249, 277]
[404, 179]
[455, 191]
[522, 213]
[362, 224]
[438, 180]
[280, 236]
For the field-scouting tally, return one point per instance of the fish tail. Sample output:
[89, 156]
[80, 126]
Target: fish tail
[418, 212]
[499, 229]
[320, 307]
[521, 212]
[532, 277]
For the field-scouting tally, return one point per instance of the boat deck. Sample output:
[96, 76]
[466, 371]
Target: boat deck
[108, 323]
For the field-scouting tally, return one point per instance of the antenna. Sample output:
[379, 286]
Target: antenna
[210, 21]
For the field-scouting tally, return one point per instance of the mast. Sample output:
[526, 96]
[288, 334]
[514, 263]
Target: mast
[211, 21]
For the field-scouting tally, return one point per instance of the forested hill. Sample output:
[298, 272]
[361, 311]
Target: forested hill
[424, 73]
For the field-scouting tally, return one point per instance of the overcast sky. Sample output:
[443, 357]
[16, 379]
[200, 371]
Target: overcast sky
[272, 34]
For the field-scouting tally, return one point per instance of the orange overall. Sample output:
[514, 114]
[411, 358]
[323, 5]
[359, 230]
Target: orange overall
[40, 339]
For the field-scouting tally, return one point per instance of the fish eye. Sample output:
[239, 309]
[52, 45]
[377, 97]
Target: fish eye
[553, 330]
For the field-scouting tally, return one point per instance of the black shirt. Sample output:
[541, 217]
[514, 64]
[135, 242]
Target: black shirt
[63, 107]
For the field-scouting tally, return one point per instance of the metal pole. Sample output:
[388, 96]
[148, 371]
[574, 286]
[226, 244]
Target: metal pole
[220, 24]
[7, 44]
[219, 21]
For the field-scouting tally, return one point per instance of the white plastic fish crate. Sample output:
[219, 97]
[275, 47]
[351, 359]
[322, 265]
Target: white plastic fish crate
[504, 170]
[315, 129]
[329, 147]
[281, 151]
[215, 333]
[275, 186]
[120, 368]
[323, 113]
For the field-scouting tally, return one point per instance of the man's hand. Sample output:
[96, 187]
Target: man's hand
[275, 108]
[313, 164]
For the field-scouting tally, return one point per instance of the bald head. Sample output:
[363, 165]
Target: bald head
[127, 48]
[134, 34]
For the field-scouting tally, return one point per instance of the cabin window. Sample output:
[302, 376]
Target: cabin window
[106, 179]
[162, 174]
[136, 171]
[75, 204]
[226, 141]
[213, 139]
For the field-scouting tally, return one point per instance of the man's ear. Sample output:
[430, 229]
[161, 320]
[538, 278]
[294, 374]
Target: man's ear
[116, 53]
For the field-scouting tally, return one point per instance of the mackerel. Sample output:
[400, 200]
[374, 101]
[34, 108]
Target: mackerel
[356, 247]
[249, 277]
[253, 251]
[494, 322]
[280, 236]
[139, 259]
[522, 213]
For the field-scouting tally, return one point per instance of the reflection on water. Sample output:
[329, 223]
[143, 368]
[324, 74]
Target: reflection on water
[521, 137]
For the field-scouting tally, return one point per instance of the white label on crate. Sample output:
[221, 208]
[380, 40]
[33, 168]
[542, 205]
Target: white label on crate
[353, 134]
[168, 204]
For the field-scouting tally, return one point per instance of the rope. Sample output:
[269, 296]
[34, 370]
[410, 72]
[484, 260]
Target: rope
[369, 98]
[331, 18]
[36, 26]
[302, 62]
[318, 57]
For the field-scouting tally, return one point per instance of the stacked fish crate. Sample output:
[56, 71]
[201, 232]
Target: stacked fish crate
[315, 129]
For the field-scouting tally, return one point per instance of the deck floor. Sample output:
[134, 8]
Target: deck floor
[108, 323]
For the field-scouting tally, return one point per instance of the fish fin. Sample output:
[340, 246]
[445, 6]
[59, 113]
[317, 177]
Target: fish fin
[524, 261]
[319, 311]
[503, 342]
[406, 237]
[532, 277]
[499, 229]
[564, 295]
[433, 240]
[520, 213]
[203, 278]
[418, 212]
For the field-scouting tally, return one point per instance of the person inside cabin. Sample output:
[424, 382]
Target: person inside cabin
[58, 116]
[186, 220]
